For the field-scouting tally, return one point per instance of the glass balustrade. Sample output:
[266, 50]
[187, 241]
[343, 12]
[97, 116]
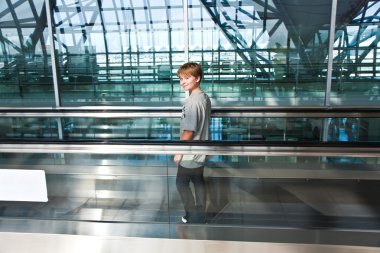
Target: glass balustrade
[166, 128]
[138, 194]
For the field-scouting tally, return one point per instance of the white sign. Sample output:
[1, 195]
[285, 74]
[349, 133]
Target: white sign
[23, 185]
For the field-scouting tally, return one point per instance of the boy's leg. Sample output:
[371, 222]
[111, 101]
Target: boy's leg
[184, 190]
[200, 194]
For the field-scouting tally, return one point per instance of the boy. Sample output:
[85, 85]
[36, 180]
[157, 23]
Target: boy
[195, 122]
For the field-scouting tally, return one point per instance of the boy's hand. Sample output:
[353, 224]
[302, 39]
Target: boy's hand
[177, 159]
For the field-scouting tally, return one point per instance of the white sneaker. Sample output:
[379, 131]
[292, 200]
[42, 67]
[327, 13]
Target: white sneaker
[184, 219]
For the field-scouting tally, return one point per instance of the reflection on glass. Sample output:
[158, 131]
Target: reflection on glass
[352, 129]
[25, 63]
[28, 128]
[355, 69]
[261, 53]
[118, 53]
[221, 129]
[253, 52]
[242, 191]
[126, 128]
[268, 129]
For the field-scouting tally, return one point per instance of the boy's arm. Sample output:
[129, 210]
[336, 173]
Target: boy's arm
[186, 135]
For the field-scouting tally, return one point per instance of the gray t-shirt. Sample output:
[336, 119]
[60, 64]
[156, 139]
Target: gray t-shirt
[196, 113]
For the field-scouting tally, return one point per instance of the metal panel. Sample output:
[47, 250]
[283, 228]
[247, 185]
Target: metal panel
[206, 148]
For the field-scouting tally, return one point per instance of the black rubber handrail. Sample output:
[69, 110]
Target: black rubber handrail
[252, 148]
[266, 111]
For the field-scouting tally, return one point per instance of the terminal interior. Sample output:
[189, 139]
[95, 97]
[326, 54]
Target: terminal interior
[89, 95]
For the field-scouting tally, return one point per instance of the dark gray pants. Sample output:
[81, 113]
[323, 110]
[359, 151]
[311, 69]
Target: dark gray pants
[194, 205]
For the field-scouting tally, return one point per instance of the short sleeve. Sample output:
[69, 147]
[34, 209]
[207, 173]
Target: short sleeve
[189, 118]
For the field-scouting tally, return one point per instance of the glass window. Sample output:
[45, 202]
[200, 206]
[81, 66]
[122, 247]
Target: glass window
[109, 53]
[138, 3]
[157, 3]
[25, 63]
[140, 15]
[355, 75]
[159, 15]
[253, 52]
[267, 52]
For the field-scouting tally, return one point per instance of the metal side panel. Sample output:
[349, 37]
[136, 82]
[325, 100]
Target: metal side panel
[47, 243]
[252, 234]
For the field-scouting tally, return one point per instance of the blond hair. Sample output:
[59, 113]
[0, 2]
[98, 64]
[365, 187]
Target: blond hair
[191, 69]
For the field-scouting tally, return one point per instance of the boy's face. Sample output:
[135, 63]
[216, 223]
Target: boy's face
[189, 83]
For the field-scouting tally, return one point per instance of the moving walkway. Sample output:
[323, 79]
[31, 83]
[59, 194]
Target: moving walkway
[294, 190]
